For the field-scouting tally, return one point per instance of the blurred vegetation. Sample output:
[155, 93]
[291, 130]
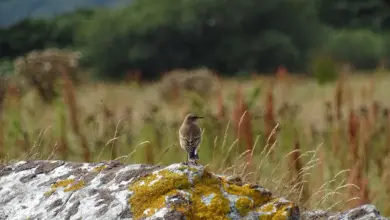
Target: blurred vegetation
[324, 69]
[12, 11]
[226, 36]
[369, 14]
[36, 34]
[362, 48]
[278, 131]
[46, 113]
[155, 37]
[42, 69]
[174, 85]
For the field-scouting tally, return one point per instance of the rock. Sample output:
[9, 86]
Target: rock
[364, 212]
[65, 190]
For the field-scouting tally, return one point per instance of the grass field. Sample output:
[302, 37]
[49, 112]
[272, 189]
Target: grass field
[322, 146]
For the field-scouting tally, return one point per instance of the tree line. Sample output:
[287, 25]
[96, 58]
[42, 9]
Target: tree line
[229, 36]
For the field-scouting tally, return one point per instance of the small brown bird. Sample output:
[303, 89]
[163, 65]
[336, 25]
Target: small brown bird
[190, 136]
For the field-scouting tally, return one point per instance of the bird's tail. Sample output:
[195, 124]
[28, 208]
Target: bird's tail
[193, 156]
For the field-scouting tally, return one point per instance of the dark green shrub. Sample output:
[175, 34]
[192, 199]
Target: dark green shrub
[224, 35]
[361, 48]
[324, 69]
[386, 39]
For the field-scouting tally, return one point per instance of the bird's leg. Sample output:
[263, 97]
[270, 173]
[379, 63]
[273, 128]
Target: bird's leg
[186, 163]
[194, 162]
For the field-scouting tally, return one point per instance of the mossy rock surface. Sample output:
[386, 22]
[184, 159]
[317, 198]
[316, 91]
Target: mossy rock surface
[196, 193]
[65, 190]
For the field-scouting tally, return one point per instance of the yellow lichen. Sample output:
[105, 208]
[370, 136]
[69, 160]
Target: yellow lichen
[49, 193]
[78, 185]
[270, 212]
[68, 184]
[244, 205]
[153, 197]
[99, 168]
[63, 183]
[183, 208]
[219, 205]
[258, 197]
[206, 194]
[282, 212]
[267, 217]
[193, 169]
[267, 208]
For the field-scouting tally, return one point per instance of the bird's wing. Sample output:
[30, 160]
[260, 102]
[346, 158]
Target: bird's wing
[191, 141]
[191, 137]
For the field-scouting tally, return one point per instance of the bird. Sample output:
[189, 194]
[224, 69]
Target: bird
[190, 136]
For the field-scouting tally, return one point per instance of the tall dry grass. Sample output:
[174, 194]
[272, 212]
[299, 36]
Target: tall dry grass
[281, 140]
[70, 100]
[3, 89]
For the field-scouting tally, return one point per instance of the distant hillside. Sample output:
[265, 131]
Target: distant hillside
[12, 11]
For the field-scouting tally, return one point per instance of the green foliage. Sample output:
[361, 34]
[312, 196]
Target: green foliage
[224, 35]
[23, 37]
[369, 14]
[324, 69]
[37, 34]
[158, 36]
[12, 11]
[361, 48]
[6, 67]
[106, 53]
[386, 39]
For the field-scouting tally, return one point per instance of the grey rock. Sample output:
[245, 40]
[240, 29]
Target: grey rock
[364, 212]
[67, 190]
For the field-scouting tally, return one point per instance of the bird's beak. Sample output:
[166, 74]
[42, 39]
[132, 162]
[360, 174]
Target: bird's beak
[200, 117]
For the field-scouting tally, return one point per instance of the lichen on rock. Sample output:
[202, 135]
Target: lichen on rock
[244, 205]
[110, 190]
[199, 194]
[148, 193]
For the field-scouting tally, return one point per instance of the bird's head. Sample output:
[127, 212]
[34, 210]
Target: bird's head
[192, 117]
